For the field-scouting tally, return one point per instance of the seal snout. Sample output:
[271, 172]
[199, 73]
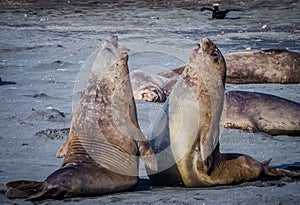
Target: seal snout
[198, 50]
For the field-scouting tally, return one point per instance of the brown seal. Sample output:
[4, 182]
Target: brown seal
[258, 112]
[101, 153]
[187, 133]
[249, 111]
[147, 87]
[266, 66]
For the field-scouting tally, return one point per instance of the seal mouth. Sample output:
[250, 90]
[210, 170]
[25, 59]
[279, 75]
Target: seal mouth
[198, 51]
[152, 94]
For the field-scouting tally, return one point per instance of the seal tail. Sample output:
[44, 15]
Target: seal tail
[30, 190]
[278, 172]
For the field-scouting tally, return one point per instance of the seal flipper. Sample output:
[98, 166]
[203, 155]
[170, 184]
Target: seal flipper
[62, 150]
[147, 155]
[23, 188]
[278, 172]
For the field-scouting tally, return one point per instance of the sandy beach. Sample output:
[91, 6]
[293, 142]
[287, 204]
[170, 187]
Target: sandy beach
[44, 54]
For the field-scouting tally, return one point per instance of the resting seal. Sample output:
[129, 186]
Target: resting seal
[186, 136]
[258, 112]
[147, 86]
[104, 141]
[266, 66]
[249, 111]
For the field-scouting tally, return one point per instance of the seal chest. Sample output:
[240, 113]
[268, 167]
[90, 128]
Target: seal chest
[101, 153]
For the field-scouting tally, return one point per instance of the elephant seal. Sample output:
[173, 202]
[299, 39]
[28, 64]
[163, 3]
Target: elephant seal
[185, 135]
[265, 66]
[249, 111]
[101, 153]
[147, 86]
[258, 112]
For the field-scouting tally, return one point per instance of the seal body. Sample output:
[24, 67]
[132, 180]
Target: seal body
[187, 134]
[265, 66]
[101, 153]
[258, 112]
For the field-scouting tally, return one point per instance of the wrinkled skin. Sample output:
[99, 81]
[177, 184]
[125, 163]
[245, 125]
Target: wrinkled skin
[265, 66]
[101, 153]
[187, 143]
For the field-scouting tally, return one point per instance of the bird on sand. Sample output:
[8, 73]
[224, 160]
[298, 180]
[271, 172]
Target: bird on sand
[216, 13]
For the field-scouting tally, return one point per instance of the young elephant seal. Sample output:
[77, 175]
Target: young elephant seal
[101, 153]
[185, 136]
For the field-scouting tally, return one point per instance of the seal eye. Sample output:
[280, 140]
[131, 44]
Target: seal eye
[215, 56]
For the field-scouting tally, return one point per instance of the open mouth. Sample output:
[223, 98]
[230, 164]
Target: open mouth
[198, 50]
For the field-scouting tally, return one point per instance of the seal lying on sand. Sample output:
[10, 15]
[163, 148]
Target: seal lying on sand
[147, 87]
[187, 143]
[266, 66]
[249, 111]
[258, 112]
[104, 141]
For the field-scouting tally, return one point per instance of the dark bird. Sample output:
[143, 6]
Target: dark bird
[216, 13]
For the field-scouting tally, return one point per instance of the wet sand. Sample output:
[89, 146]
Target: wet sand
[43, 49]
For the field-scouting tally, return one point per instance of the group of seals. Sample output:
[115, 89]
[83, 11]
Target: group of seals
[187, 143]
[265, 66]
[101, 153]
[249, 111]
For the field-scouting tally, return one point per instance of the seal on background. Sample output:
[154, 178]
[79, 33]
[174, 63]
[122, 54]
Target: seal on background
[259, 112]
[101, 153]
[265, 66]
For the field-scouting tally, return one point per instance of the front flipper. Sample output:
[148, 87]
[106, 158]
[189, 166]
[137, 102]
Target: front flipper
[62, 150]
[147, 155]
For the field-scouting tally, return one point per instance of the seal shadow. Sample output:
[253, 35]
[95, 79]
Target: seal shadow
[226, 18]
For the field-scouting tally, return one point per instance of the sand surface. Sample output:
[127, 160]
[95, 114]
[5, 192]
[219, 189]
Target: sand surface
[43, 47]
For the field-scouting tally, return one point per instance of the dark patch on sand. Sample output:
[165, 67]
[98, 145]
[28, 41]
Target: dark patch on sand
[54, 134]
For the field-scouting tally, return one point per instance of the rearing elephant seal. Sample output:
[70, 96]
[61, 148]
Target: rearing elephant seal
[186, 136]
[101, 153]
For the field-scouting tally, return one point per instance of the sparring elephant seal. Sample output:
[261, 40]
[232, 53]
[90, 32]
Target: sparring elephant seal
[185, 135]
[101, 153]
[265, 66]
